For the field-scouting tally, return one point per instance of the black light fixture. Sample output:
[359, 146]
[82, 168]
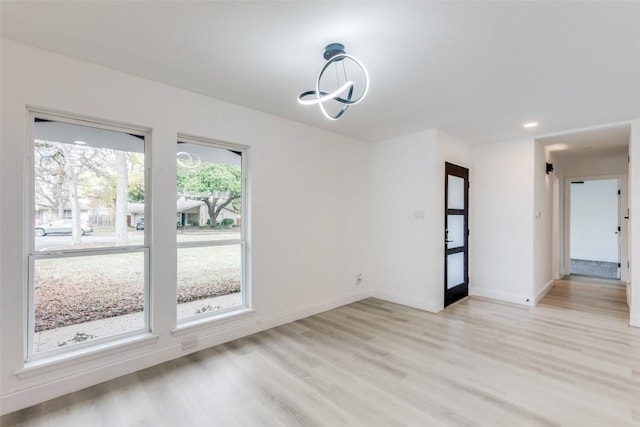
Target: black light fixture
[549, 168]
[343, 90]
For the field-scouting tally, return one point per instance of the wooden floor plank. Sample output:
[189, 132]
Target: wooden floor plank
[571, 360]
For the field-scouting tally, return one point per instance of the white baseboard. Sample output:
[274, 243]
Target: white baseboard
[634, 321]
[278, 319]
[543, 292]
[410, 302]
[109, 368]
[527, 300]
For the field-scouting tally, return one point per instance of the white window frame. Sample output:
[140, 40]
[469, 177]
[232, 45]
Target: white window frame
[244, 282]
[29, 236]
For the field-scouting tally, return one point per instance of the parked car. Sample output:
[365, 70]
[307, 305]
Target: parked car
[140, 224]
[62, 226]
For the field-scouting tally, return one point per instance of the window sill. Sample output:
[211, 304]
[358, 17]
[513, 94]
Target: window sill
[220, 320]
[60, 361]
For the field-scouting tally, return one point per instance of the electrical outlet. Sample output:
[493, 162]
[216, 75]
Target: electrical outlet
[189, 342]
[359, 278]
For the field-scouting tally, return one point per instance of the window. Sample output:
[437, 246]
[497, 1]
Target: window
[210, 229]
[88, 263]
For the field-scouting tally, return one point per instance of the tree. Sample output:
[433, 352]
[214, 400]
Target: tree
[78, 160]
[50, 178]
[217, 185]
[66, 164]
[65, 173]
[136, 177]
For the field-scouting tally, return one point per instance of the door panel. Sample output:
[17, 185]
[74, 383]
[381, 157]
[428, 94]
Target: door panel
[455, 270]
[595, 228]
[456, 228]
[456, 233]
[455, 192]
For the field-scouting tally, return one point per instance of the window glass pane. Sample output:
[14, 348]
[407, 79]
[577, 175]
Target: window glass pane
[89, 187]
[209, 279]
[455, 269]
[455, 231]
[83, 298]
[455, 194]
[209, 186]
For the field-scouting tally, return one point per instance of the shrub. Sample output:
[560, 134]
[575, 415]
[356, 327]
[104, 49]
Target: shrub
[227, 222]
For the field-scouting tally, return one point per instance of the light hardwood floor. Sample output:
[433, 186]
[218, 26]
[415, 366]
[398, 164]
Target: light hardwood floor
[572, 360]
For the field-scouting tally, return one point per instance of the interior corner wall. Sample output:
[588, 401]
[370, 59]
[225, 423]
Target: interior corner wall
[453, 151]
[404, 221]
[557, 206]
[502, 221]
[543, 223]
[309, 210]
[408, 216]
[634, 246]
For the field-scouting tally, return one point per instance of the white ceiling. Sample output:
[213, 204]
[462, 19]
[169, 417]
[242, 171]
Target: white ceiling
[476, 70]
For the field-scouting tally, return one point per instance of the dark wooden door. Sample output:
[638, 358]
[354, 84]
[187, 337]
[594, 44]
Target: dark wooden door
[456, 233]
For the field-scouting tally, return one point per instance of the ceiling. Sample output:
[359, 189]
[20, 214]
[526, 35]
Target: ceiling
[476, 70]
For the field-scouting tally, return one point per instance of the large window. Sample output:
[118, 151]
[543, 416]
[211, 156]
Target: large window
[210, 229]
[88, 261]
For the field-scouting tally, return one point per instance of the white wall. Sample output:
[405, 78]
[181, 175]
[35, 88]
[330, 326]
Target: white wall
[408, 216]
[302, 263]
[634, 252]
[594, 220]
[596, 166]
[453, 151]
[543, 222]
[502, 221]
[404, 221]
[557, 215]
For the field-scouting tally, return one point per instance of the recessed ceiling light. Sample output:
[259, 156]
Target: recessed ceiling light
[557, 147]
[80, 142]
[530, 125]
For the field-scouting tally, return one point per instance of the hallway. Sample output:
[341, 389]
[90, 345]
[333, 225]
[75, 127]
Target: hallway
[589, 296]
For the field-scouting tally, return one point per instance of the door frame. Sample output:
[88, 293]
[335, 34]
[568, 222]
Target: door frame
[460, 291]
[622, 213]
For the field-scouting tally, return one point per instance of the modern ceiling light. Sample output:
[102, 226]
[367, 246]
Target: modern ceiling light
[334, 54]
[530, 125]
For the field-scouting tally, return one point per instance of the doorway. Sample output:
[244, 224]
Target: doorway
[456, 233]
[595, 233]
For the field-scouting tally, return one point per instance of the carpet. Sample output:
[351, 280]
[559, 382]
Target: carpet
[607, 270]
